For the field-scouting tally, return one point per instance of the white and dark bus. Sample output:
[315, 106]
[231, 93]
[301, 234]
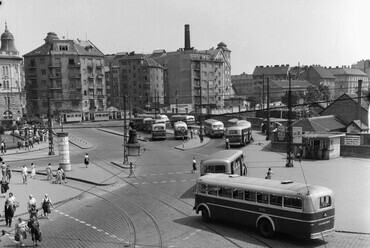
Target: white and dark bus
[224, 161]
[239, 134]
[213, 128]
[271, 206]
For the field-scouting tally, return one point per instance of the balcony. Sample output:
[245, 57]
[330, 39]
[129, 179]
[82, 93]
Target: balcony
[100, 97]
[77, 75]
[74, 65]
[99, 86]
[91, 86]
[55, 65]
[90, 65]
[56, 75]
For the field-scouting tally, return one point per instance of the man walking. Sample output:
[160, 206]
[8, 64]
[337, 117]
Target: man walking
[86, 160]
[194, 170]
[269, 173]
[24, 173]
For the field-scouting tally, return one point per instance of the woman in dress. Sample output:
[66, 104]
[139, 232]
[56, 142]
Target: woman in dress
[46, 206]
[9, 213]
[33, 171]
[34, 226]
[21, 231]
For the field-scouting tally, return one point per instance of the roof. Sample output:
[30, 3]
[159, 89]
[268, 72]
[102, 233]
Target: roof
[323, 72]
[347, 71]
[294, 83]
[353, 97]
[242, 76]
[149, 62]
[77, 47]
[359, 124]
[327, 123]
[271, 70]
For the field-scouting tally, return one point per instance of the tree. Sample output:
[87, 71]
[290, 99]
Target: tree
[324, 92]
[294, 98]
[313, 94]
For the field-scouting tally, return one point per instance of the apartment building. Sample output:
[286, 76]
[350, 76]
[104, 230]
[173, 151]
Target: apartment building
[68, 72]
[12, 94]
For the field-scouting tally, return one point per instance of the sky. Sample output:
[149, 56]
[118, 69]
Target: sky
[258, 32]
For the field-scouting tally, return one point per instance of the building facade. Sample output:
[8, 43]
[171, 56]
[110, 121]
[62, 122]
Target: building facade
[12, 94]
[318, 75]
[243, 85]
[68, 72]
[141, 80]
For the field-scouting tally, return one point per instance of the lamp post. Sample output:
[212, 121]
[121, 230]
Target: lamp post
[289, 136]
[125, 155]
[177, 107]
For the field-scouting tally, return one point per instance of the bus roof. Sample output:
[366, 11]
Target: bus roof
[211, 121]
[180, 123]
[237, 127]
[264, 185]
[225, 154]
[243, 123]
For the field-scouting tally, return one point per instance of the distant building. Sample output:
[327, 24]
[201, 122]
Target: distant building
[141, 81]
[318, 75]
[70, 72]
[278, 88]
[12, 94]
[199, 79]
[346, 80]
[243, 85]
[363, 65]
[114, 89]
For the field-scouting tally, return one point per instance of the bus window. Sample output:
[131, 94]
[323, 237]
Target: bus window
[220, 169]
[262, 198]
[224, 192]
[233, 132]
[276, 200]
[250, 196]
[292, 202]
[238, 194]
[325, 201]
[203, 188]
[212, 190]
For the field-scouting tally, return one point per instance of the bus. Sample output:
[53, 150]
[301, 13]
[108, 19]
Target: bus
[180, 130]
[269, 205]
[213, 128]
[100, 116]
[148, 122]
[188, 119]
[240, 134]
[138, 123]
[159, 131]
[224, 161]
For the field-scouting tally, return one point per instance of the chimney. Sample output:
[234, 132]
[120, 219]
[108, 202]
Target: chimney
[187, 37]
[359, 100]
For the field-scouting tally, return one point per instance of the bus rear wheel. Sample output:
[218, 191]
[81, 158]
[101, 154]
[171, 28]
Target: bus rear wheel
[205, 215]
[265, 228]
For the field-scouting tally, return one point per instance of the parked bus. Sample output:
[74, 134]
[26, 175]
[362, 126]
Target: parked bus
[180, 130]
[100, 116]
[272, 206]
[224, 161]
[240, 134]
[188, 119]
[213, 128]
[148, 122]
[72, 117]
[159, 131]
[138, 123]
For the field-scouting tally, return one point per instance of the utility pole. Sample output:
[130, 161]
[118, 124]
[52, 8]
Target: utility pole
[177, 107]
[201, 111]
[268, 110]
[289, 133]
[263, 94]
[51, 141]
[125, 155]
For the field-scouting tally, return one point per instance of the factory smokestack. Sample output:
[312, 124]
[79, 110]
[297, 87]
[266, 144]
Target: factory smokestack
[187, 37]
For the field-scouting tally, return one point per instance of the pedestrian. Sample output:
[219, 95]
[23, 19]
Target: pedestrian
[26, 145]
[30, 141]
[299, 153]
[58, 178]
[3, 147]
[201, 137]
[33, 171]
[323, 152]
[19, 145]
[269, 173]
[191, 133]
[12, 201]
[31, 204]
[227, 143]
[3, 169]
[63, 173]
[86, 160]
[132, 170]
[194, 164]
[8, 173]
[9, 213]
[34, 227]
[46, 205]
[49, 172]
[20, 231]
[24, 173]
[4, 186]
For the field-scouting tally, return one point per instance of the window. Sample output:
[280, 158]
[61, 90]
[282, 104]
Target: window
[63, 47]
[214, 169]
[225, 192]
[238, 194]
[42, 61]
[71, 61]
[276, 200]
[262, 198]
[325, 201]
[212, 190]
[32, 63]
[58, 104]
[43, 72]
[250, 195]
[292, 202]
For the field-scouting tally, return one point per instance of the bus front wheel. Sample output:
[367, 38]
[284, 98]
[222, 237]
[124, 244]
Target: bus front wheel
[205, 215]
[265, 228]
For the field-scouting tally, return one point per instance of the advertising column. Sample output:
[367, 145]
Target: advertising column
[64, 159]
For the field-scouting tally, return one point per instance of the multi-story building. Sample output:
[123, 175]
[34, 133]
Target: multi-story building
[243, 84]
[318, 75]
[346, 80]
[12, 94]
[141, 80]
[68, 72]
[114, 96]
[363, 65]
[196, 80]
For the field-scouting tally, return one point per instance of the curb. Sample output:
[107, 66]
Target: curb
[119, 134]
[74, 179]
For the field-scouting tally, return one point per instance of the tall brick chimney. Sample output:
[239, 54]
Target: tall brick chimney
[359, 100]
[187, 37]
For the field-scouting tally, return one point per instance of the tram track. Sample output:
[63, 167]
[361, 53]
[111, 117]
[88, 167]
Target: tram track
[209, 227]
